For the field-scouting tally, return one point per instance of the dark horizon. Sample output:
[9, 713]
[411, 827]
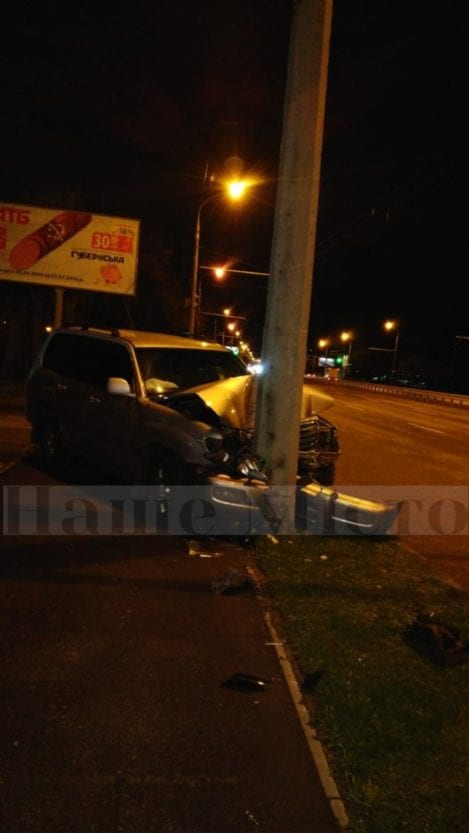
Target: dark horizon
[122, 114]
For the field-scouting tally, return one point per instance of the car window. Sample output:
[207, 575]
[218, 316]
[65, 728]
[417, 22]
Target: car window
[88, 359]
[98, 359]
[60, 354]
[188, 368]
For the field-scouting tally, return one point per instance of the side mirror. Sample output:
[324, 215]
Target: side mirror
[118, 386]
[157, 387]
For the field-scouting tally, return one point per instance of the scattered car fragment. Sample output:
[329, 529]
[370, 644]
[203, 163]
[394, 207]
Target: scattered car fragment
[232, 583]
[245, 682]
[436, 641]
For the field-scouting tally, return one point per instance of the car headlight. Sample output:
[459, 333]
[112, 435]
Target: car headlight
[214, 447]
[251, 467]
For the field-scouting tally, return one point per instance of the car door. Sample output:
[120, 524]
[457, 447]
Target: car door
[110, 418]
[63, 392]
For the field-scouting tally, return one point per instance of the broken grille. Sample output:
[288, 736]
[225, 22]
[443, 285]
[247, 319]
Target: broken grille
[314, 434]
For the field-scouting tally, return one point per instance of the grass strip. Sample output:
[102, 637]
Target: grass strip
[394, 725]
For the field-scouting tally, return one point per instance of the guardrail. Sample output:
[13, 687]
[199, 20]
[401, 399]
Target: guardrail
[14, 393]
[454, 400]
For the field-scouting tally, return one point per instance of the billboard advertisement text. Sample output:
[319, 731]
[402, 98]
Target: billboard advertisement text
[71, 249]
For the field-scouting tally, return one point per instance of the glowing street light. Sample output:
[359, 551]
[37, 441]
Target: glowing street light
[347, 336]
[231, 326]
[221, 271]
[224, 315]
[389, 326]
[235, 190]
[323, 344]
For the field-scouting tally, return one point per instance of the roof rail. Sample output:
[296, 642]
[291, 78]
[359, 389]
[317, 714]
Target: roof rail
[113, 331]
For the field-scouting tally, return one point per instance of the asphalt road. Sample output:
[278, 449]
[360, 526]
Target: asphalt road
[402, 449]
[389, 441]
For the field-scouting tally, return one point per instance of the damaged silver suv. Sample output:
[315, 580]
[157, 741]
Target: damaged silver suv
[159, 409]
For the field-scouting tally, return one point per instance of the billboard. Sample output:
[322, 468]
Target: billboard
[71, 249]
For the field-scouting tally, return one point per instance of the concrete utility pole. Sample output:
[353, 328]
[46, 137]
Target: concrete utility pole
[284, 345]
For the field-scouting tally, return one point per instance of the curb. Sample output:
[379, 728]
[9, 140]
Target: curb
[314, 744]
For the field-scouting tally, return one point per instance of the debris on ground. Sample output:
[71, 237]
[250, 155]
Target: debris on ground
[197, 548]
[231, 583]
[311, 680]
[436, 641]
[245, 682]
[242, 541]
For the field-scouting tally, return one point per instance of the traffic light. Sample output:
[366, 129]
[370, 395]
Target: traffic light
[338, 361]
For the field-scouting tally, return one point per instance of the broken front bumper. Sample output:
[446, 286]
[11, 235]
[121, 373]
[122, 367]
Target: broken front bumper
[236, 507]
[222, 506]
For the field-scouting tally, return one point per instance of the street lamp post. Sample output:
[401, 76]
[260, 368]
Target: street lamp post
[231, 327]
[195, 266]
[224, 315]
[347, 336]
[323, 344]
[389, 326]
[235, 190]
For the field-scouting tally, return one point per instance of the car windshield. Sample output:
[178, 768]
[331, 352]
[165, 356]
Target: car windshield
[188, 368]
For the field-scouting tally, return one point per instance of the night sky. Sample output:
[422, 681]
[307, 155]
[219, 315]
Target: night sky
[119, 110]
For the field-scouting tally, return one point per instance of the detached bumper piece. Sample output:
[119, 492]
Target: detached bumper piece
[252, 508]
[325, 511]
[436, 641]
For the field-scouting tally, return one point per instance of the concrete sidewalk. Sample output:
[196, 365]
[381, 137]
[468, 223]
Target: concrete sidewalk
[117, 715]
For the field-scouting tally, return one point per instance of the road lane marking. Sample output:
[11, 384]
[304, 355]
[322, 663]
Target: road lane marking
[425, 428]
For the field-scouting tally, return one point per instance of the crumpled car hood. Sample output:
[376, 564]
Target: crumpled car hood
[234, 400]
